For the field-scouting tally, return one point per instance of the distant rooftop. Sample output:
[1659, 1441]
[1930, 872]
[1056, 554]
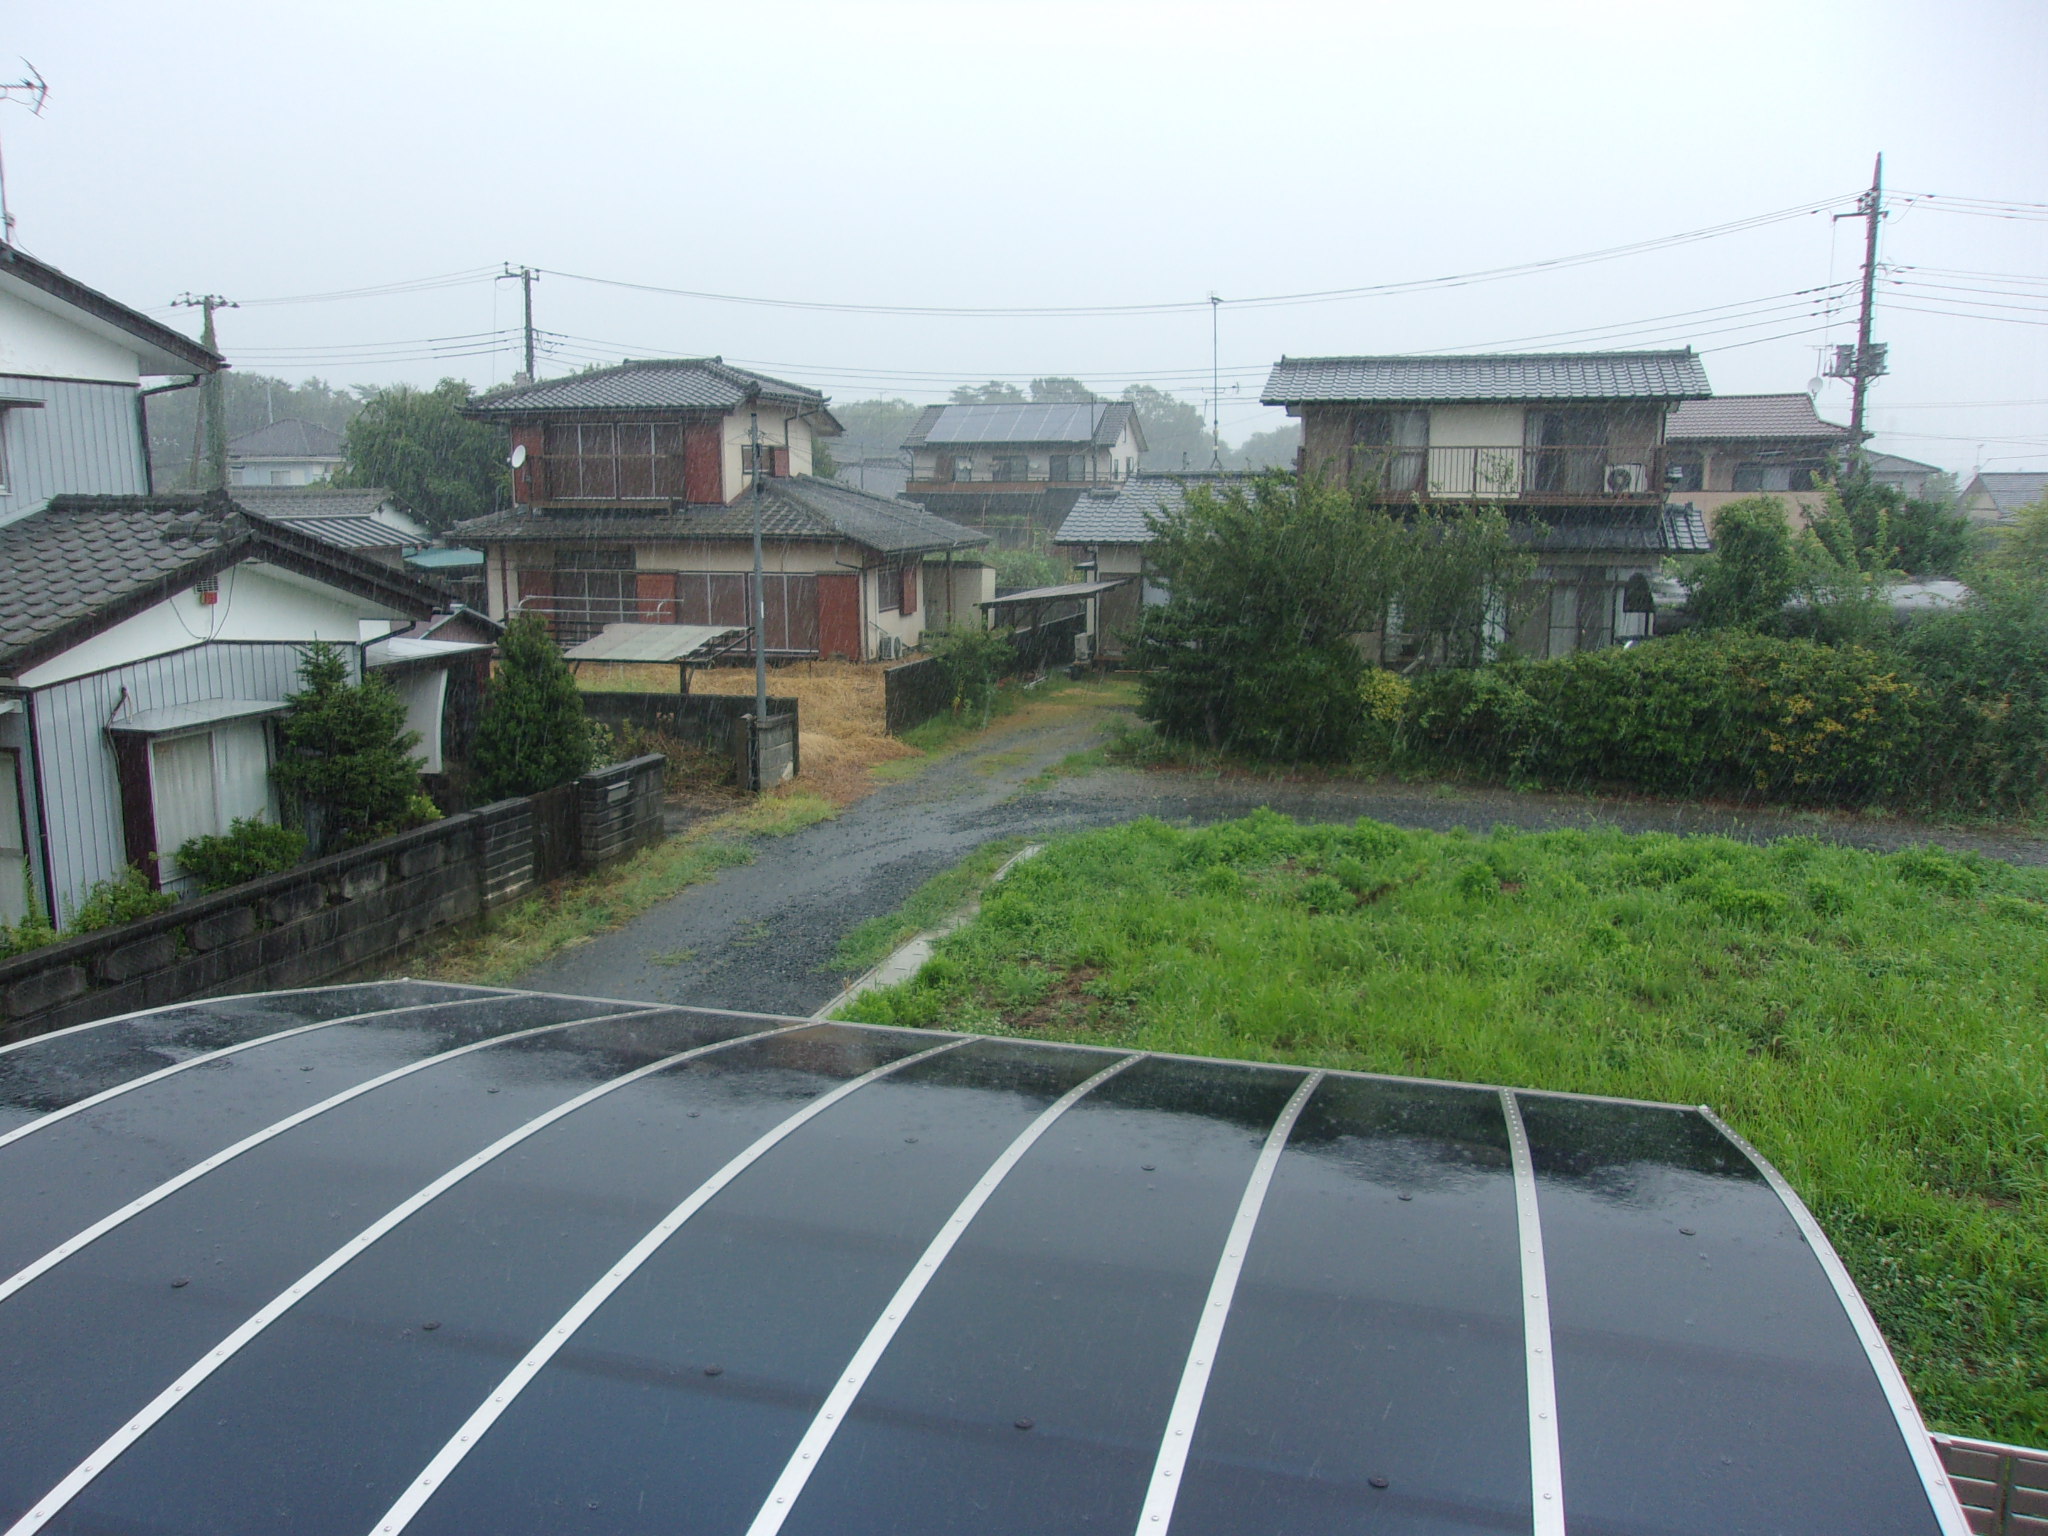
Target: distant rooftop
[1117, 516]
[657, 384]
[1489, 376]
[2009, 489]
[1751, 417]
[1098, 423]
[287, 439]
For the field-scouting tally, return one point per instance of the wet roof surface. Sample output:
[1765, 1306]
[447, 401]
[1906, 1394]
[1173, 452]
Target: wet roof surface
[406, 1256]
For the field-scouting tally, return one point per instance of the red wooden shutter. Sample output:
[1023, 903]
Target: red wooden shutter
[655, 597]
[909, 587]
[703, 464]
[539, 585]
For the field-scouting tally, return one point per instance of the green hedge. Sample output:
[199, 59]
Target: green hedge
[1738, 713]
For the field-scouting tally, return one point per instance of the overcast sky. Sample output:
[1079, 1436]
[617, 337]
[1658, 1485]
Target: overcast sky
[1036, 153]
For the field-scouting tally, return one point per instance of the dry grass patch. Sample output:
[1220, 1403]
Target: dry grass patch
[839, 712]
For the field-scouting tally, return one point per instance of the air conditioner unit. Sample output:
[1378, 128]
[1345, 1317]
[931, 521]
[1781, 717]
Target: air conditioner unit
[1627, 479]
[888, 648]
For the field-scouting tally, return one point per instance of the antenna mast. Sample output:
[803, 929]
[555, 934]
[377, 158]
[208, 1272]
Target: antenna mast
[31, 91]
[1866, 360]
[1215, 386]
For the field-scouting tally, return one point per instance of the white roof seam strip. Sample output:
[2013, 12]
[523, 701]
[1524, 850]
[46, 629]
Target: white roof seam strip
[501, 1397]
[56, 1115]
[1157, 1512]
[238, 997]
[1941, 1493]
[832, 1412]
[206, 1165]
[111, 1448]
[1546, 1462]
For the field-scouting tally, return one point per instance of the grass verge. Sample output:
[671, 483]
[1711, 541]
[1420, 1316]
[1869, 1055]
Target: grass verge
[931, 904]
[521, 936]
[1015, 705]
[1874, 1023]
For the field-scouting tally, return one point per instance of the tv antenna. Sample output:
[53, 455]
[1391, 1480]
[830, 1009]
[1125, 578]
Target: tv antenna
[32, 91]
[1215, 385]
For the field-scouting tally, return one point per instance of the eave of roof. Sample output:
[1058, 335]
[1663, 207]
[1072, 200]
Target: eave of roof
[178, 353]
[1483, 377]
[698, 384]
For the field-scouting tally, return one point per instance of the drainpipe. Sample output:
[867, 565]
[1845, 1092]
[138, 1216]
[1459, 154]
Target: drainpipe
[35, 776]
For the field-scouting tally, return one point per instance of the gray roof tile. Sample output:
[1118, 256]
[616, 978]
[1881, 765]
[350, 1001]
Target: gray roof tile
[83, 562]
[796, 507]
[686, 383]
[294, 501]
[1750, 417]
[1118, 516]
[1489, 376]
[2010, 489]
[287, 439]
[1099, 423]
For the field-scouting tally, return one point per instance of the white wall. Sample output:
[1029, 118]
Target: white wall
[256, 603]
[36, 342]
[738, 439]
[1475, 426]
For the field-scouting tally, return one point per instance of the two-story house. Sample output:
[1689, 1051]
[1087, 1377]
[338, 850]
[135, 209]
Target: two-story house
[635, 495]
[1570, 445]
[72, 365]
[1733, 446]
[288, 452]
[1016, 470]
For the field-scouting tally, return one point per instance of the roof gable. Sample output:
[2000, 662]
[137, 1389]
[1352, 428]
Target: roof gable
[84, 563]
[1119, 516]
[2010, 489]
[158, 348]
[1488, 376]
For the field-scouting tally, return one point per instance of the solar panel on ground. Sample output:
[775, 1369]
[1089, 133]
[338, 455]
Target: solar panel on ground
[399, 1257]
[655, 642]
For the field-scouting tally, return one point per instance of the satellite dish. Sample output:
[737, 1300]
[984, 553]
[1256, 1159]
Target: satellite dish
[1813, 386]
[518, 455]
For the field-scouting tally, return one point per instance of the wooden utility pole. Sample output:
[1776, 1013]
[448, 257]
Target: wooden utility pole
[527, 278]
[1866, 360]
[212, 393]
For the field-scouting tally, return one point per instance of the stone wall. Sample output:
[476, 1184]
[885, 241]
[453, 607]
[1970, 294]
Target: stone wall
[324, 919]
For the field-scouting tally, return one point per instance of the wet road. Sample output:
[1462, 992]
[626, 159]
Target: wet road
[761, 937]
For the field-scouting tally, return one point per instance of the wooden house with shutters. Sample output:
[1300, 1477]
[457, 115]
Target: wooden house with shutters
[633, 500]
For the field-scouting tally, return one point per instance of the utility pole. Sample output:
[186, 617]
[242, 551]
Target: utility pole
[213, 392]
[1215, 385]
[527, 278]
[1866, 360]
[760, 604]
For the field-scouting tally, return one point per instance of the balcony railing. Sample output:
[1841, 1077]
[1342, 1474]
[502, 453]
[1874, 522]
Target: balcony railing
[1520, 474]
[990, 477]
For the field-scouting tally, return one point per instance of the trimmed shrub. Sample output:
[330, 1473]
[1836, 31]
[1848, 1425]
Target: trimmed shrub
[249, 849]
[121, 899]
[531, 733]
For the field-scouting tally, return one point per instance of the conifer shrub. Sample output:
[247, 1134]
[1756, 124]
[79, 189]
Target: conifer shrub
[532, 733]
[347, 762]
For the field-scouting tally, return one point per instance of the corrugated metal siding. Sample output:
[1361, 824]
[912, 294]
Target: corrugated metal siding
[81, 793]
[86, 440]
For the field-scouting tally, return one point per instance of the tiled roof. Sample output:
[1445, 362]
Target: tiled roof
[797, 507]
[352, 532]
[1117, 516]
[287, 439]
[1099, 423]
[1893, 464]
[672, 384]
[85, 562]
[1495, 376]
[1750, 417]
[2010, 489]
[294, 501]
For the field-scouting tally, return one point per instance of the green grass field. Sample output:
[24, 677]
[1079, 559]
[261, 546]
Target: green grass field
[1876, 1025]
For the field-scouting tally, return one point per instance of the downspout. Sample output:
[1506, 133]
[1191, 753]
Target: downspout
[142, 426]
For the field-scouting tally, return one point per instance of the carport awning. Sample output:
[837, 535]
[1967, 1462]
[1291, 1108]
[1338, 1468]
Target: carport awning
[1055, 594]
[657, 642]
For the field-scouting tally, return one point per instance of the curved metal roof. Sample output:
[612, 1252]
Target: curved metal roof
[408, 1257]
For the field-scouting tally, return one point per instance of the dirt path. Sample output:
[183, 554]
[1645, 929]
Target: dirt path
[762, 937]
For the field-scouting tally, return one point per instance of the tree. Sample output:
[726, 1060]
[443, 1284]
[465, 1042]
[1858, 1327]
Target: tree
[531, 733]
[1270, 450]
[441, 466]
[1753, 570]
[1880, 527]
[251, 400]
[1459, 581]
[881, 423]
[1176, 436]
[1064, 390]
[1267, 584]
[347, 758]
[995, 392]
